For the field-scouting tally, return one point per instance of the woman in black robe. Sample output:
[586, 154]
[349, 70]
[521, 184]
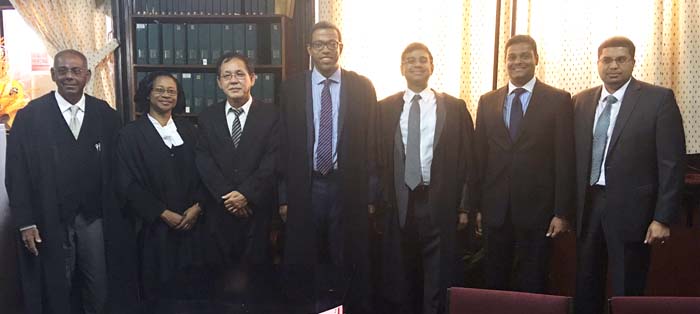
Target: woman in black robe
[161, 189]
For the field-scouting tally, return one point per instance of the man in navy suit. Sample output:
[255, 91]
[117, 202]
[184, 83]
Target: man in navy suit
[525, 153]
[630, 148]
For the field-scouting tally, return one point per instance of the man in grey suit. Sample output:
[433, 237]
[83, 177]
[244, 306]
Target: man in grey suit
[629, 174]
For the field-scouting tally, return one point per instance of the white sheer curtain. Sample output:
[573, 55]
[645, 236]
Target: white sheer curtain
[458, 33]
[665, 32]
[79, 25]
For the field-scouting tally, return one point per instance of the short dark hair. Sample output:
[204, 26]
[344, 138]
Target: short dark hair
[617, 41]
[416, 46]
[523, 39]
[325, 25]
[70, 52]
[226, 57]
[142, 96]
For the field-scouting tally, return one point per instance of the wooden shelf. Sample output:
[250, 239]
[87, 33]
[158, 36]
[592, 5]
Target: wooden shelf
[203, 19]
[198, 68]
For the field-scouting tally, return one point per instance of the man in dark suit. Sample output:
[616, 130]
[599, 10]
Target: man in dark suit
[236, 156]
[525, 153]
[327, 153]
[630, 147]
[426, 157]
[59, 158]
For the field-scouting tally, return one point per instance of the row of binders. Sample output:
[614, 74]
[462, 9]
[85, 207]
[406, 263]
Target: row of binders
[204, 7]
[201, 89]
[203, 44]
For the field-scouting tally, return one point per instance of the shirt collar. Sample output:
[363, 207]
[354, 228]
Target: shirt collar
[245, 107]
[619, 93]
[168, 132]
[64, 105]
[529, 86]
[318, 78]
[424, 94]
[169, 124]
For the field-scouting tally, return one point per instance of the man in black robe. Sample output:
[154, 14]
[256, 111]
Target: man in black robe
[59, 158]
[327, 152]
[426, 152]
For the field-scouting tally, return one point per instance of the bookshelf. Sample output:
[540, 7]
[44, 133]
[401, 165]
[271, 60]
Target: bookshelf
[186, 37]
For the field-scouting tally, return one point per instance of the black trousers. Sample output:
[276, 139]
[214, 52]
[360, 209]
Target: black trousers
[420, 242]
[597, 251]
[521, 252]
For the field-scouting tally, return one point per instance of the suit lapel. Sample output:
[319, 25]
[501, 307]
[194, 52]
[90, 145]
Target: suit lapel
[589, 103]
[221, 127]
[440, 114]
[343, 105]
[309, 108]
[249, 128]
[629, 101]
[501, 135]
[395, 116]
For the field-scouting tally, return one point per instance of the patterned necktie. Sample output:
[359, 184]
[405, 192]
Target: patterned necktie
[324, 151]
[412, 173]
[236, 129]
[516, 113]
[74, 123]
[600, 139]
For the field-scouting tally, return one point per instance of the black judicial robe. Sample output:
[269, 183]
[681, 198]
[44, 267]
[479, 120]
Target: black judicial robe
[32, 184]
[357, 174]
[152, 178]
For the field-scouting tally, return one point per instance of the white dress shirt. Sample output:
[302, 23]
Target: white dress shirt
[614, 110]
[230, 116]
[64, 106]
[168, 132]
[428, 118]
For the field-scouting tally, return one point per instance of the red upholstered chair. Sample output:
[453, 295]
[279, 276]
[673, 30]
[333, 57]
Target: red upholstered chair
[655, 305]
[479, 301]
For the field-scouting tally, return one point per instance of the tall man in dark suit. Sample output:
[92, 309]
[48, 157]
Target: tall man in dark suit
[630, 147]
[236, 156]
[426, 153]
[327, 157]
[59, 158]
[525, 153]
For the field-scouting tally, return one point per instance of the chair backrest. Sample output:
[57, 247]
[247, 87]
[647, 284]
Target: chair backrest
[479, 301]
[653, 305]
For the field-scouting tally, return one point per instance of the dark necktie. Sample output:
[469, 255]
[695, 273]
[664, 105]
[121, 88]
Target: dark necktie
[236, 129]
[412, 173]
[324, 151]
[600, 139]
[516, 113]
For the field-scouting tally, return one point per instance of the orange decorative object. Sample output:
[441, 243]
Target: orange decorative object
[11, 91]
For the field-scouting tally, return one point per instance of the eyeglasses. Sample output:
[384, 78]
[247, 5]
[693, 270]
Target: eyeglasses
[414, 61]
[332, 45]
[240, 75]
[618, 60]
[160, 91]
[75, 71]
